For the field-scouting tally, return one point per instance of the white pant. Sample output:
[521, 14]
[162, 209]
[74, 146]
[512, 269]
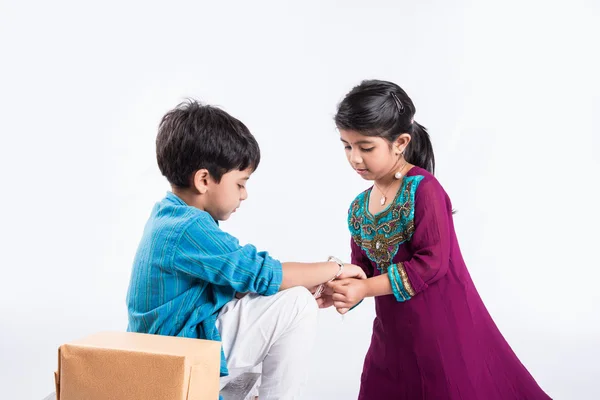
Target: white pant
[277, 331]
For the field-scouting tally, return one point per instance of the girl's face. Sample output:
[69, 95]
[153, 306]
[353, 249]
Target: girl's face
[372, 157]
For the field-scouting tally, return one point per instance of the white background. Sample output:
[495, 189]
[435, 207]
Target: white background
[508, 89]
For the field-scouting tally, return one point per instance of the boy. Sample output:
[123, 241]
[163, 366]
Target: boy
[187, 271]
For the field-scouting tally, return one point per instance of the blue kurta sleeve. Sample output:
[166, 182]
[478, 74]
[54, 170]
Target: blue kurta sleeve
[206, 252]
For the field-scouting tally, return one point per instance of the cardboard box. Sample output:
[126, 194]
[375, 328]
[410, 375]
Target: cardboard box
[136, 366]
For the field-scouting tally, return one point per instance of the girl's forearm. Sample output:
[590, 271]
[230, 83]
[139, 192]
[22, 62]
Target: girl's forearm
[378, 286]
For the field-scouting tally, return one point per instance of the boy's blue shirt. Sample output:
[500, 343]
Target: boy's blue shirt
[186, 269]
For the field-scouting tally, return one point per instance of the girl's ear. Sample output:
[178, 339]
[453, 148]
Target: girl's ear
[401, 143]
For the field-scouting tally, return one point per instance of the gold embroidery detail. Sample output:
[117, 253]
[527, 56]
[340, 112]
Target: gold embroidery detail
[382, 247]
[405, 281]
[395, 282]
[381, 235]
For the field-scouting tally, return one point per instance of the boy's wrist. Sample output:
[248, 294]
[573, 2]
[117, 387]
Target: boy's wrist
[339, 264]
[334, 264]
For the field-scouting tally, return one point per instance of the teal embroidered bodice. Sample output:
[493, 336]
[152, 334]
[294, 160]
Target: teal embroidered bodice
[381, 235]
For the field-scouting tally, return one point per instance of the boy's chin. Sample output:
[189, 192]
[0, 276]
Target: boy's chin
[220, 217]
[226, 216]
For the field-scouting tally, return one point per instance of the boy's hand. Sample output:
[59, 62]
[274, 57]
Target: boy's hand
[347, 293]
[325, 300]
[352, 271]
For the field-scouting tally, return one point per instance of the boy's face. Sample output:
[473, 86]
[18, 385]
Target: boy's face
[224, 198]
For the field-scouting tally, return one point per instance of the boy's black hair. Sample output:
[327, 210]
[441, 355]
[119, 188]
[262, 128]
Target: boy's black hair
[195, 136]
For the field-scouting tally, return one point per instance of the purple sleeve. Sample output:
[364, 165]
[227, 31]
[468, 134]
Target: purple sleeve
[431, 241]
[358, 257]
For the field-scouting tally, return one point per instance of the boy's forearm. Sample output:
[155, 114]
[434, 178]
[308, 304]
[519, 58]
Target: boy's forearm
[308, 275]
[378, 286]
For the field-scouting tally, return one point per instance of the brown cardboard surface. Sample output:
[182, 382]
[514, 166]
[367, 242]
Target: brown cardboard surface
[132, 366]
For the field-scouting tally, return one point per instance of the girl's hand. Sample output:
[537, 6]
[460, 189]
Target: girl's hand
[352, 271]
[325, 298]
[347, 293]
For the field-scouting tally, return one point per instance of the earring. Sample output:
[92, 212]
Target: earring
[398, 175]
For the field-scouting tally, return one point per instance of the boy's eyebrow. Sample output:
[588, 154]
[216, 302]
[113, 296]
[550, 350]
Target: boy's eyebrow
[365, 141]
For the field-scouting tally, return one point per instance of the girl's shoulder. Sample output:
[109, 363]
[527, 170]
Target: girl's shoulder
[421, 175]
[429, 191]
[424, 181]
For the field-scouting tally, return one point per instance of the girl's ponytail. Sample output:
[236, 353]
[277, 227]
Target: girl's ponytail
[420, 150]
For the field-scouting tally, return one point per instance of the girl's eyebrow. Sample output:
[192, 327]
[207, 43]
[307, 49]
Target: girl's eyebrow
[359, 142]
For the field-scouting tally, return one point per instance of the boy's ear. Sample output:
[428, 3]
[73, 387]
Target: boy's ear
[200, 182]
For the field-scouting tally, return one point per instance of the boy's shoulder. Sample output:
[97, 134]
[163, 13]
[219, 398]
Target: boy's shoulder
[174, 215]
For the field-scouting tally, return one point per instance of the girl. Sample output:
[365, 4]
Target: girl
[432, 337]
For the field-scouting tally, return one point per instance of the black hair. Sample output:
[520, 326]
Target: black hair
[383, 109]
[195, 136]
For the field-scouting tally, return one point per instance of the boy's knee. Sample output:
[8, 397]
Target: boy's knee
[301, 299]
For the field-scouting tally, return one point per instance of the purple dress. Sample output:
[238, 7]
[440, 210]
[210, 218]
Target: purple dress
[432, 338]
